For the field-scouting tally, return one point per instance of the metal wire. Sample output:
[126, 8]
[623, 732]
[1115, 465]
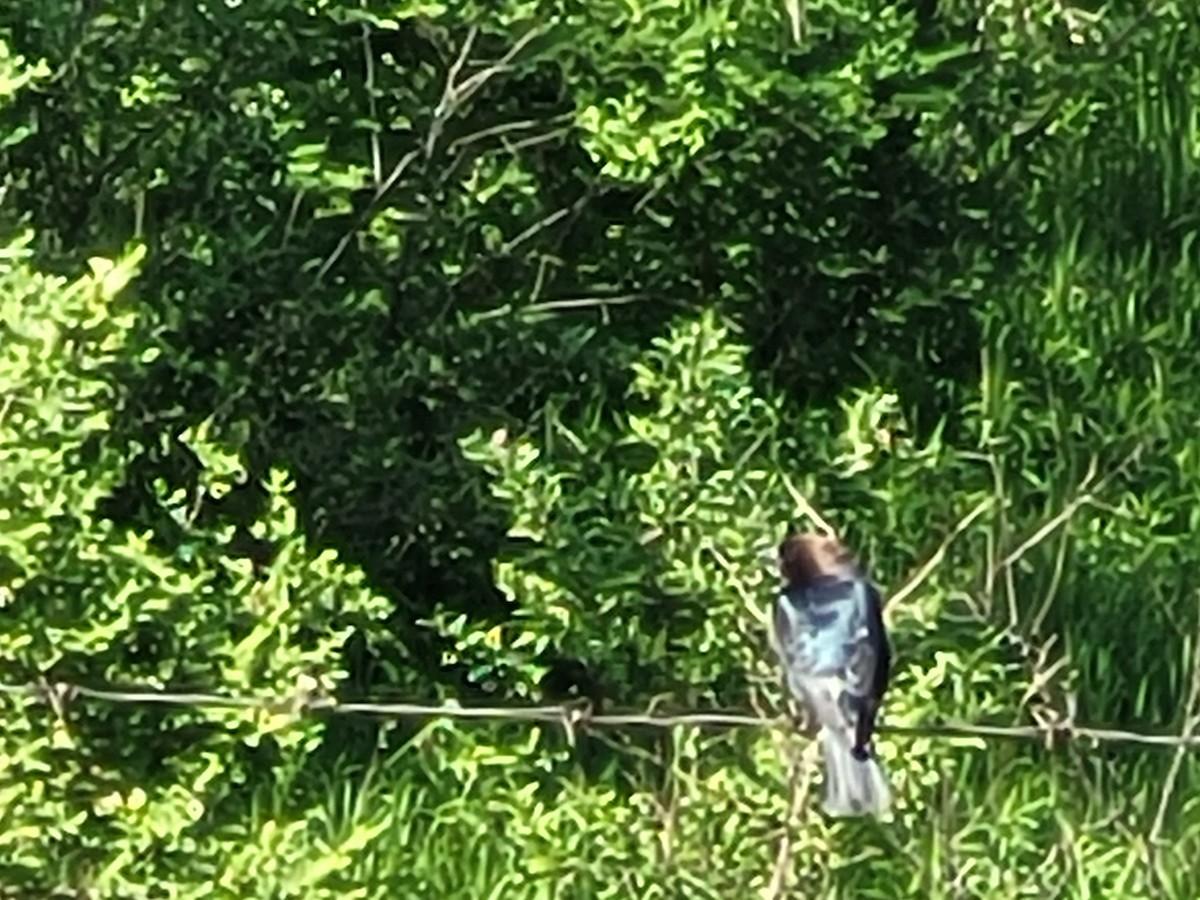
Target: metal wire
[572, 716]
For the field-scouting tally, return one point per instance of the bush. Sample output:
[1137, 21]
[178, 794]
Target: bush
[471, 353]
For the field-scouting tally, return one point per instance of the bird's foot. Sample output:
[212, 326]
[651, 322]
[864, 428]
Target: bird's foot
[805, 724]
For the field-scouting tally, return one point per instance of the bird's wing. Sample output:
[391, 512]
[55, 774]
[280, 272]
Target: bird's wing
[871, 666]
[825, 640]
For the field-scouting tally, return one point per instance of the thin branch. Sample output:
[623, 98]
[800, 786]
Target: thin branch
[505, 128]
[445, 106]
[1087, 491]
[1081, 499]
[1060, 711]
[473, 84]
[805, 507]
[372, 106]
[397, 171]
[542, 224]
[566, 304]
[293, 214]
[1191, 723]
[454, 94]
[799, 782]
[1056, 577]
[911, 585]
[534, 139]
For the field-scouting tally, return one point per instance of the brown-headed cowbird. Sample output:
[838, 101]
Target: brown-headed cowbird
[830, 639]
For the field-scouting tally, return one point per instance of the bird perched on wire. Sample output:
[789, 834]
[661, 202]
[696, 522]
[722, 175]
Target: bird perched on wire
[830, 639]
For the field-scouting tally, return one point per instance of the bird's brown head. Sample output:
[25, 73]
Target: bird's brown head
[806, 557]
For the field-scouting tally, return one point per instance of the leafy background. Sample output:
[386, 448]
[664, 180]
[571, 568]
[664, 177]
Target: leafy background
[470, 352]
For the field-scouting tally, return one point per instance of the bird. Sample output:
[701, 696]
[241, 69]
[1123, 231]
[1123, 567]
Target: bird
[833, 647]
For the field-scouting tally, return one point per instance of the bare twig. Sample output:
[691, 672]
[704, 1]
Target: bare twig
[472, 85]
[1084, 494]
[564, 305]
[911, 585]
[369, 77]
[293, 214]
[541, 225]
[1191, 722]
[397, 171]
[503, 129]
[799, 781]
[450, 96]
[454, 94]
[457, 92]
[1081, 499]
[1059, 713]
[804, 507]
[534, 139]
[1060, 564]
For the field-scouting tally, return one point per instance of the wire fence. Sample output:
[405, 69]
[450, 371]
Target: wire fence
[574, 716]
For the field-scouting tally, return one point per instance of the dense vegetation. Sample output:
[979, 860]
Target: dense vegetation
[470, 352]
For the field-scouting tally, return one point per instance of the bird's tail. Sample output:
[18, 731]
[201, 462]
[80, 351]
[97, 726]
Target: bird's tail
[853, 787]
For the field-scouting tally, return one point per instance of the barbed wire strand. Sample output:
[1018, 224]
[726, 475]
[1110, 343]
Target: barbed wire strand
[574, 716]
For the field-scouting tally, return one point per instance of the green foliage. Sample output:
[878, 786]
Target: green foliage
[92, 602]
[473, 352]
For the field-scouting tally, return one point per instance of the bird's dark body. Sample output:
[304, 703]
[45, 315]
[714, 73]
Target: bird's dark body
[832, 627]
